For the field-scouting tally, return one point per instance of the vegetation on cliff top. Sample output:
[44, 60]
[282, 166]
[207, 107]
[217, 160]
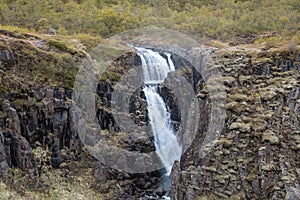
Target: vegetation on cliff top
[30, 59]
[203, 19]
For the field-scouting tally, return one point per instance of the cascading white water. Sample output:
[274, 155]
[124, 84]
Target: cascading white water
[155, 70]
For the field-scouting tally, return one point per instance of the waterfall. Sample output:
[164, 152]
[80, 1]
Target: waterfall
[155, 70]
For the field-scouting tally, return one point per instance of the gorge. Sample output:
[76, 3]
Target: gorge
[41, 154]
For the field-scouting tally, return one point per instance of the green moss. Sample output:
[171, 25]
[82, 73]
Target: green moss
[61, 46]
[39, 104]
[268, 167]
[44, 67]
[269, 40]
[56, 185]
[2, 114]
[224, 141]
[88, 41]
[209, 168]
[238, 196]
[20, 102]
[238, 97]
[243, 127]
[24, 102]
[109, 75]
[3, 90]
[14, 29]
[58, 45]
[222, 179]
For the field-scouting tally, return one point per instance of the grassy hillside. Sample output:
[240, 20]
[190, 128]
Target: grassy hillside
[214, 19]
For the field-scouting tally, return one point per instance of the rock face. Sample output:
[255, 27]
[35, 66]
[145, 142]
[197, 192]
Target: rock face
[45, 123]
[3, 162]
[32, 112]
[18, 153]
[36, 129]
[257, 154]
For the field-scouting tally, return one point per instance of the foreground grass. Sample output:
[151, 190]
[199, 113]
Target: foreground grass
[57, 185]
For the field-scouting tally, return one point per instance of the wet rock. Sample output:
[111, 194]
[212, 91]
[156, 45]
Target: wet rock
[210, 169]
[174, 180]
[3, 163]
[161, 192]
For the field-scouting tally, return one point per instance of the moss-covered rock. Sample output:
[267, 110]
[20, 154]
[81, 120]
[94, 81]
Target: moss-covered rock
[257, 152]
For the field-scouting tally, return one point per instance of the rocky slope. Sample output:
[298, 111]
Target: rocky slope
[257, 154]
[41, 155]
[36, 131]
[37, 74]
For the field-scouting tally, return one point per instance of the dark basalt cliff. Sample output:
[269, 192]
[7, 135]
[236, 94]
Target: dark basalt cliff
[37, 133]
[256, 156]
